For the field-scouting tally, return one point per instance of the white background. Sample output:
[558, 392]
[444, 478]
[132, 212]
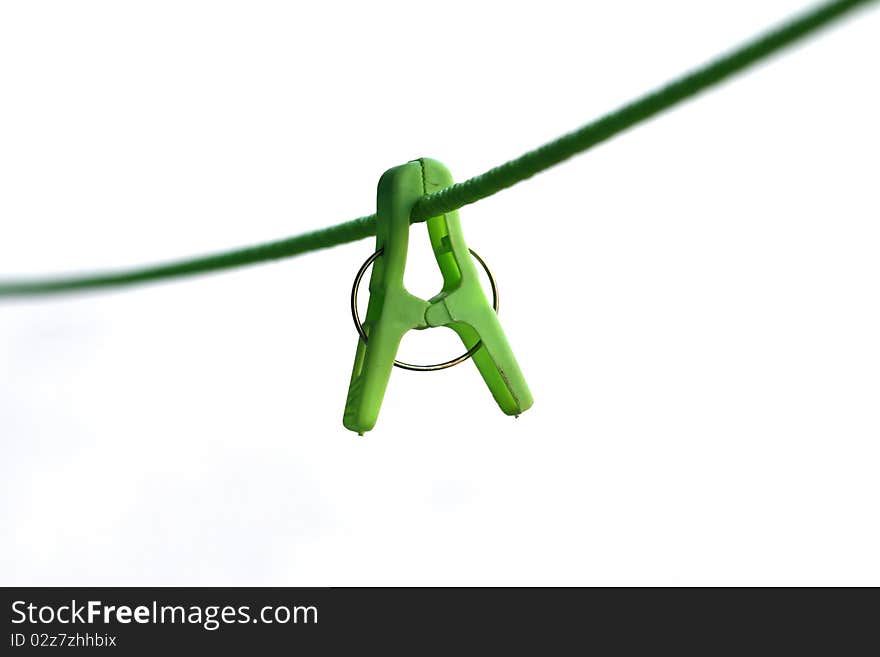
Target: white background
[694, 304]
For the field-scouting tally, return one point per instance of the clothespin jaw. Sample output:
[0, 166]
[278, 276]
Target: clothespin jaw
[461, 305]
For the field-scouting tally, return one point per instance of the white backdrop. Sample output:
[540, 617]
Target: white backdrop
[694, 304]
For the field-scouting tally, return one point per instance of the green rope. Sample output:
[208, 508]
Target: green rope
[350, 231]
[478, 187]
[582, 139]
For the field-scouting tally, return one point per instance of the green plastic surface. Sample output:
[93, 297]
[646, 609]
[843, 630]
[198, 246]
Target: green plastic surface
[461, 305]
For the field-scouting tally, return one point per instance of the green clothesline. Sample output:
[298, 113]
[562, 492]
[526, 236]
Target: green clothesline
[478, 187]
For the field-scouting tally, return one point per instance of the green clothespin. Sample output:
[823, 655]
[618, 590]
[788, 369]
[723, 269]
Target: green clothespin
[461, 305]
